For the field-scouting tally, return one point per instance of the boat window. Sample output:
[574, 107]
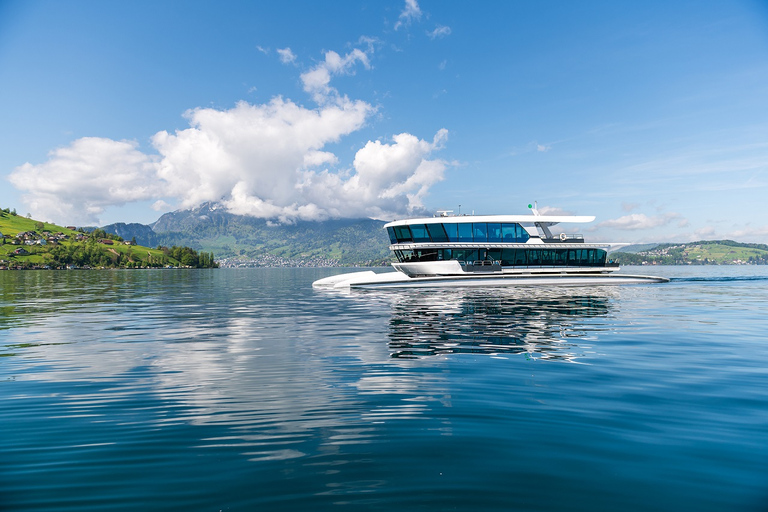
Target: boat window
[494, 254]
[403, 234]
[437, 232]
[514, 233]
[405, 256]
[419, 232]
[392, 237]
[465, 254]
[561, 256]
[534, 258]
[465, 232]
[515, 257]
[600, 257]
[426, 254]
[444, 254]
[451, 232]
[480, 231]
[494, 232]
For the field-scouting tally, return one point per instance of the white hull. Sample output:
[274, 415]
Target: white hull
[399, 280]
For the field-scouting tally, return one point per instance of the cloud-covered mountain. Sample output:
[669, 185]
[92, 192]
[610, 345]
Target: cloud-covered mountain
[210, 227]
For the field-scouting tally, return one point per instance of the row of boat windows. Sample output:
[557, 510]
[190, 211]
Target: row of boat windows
[468, 232]
[510, 257]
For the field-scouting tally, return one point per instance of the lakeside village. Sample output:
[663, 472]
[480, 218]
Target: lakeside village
[47, 246]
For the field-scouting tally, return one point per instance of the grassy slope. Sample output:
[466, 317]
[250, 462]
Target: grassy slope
[717, 252]
[723, 254]
[11, 225]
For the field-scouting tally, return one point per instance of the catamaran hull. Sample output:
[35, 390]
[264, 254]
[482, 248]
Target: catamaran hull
[399, 280]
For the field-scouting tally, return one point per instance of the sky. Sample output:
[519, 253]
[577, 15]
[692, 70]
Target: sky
[651, 116]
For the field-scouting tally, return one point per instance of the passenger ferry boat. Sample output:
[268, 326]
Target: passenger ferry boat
[490, 250]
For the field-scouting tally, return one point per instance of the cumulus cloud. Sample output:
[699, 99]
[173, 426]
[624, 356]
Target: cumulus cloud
[79, 181]
[286, 55]
[637, 221]
[265, 160]
[440, 31]
[410, 12]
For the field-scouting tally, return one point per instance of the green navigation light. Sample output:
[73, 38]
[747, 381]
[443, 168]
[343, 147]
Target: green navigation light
[530, 206]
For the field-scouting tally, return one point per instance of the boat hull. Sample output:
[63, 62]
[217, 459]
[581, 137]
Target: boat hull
[399, 280]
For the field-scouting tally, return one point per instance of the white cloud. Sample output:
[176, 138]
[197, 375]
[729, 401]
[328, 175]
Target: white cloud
[705, 232]
[160, 205]
[286, 55]
[316, 81]
[262, 160]
[758, 234]
[79, 181]
[550, 210]
[637, 221]
[268, 160]
[440, 31]
[410, 12]
[252, 151]
[541, 148]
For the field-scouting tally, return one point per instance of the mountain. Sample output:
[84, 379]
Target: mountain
[210, 227]
[143, 234]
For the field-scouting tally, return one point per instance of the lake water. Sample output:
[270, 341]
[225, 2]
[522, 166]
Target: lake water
[246, 389]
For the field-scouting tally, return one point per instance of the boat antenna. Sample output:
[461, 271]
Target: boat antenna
[459, 209]
[534, 208]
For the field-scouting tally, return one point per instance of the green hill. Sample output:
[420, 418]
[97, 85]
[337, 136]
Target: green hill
[28, 243]
[705, 252]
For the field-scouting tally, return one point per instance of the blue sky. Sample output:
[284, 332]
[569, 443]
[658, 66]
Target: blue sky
[652, 116]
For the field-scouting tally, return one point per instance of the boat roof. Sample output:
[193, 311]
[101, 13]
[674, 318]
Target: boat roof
[542, 220]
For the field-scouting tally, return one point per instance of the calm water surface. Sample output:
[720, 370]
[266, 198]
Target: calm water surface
[248, 390]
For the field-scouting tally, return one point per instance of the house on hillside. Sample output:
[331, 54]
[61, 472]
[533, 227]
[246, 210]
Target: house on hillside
[21, 251]
[106, 241]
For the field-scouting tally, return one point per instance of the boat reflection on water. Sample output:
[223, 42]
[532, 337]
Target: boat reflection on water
[540, 323]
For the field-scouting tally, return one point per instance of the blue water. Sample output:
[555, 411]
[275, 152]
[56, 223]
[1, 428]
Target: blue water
[246, 389]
